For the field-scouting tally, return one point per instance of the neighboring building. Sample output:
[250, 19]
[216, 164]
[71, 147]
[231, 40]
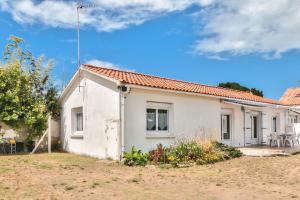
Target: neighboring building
[291, 98]
[107, 111]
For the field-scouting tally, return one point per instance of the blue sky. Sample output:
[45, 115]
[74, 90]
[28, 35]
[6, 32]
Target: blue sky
[188, 42]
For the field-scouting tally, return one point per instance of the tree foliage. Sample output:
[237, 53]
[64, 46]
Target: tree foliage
[27, 94]
[237, 86]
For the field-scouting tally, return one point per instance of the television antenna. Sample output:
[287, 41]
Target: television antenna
[80, 6]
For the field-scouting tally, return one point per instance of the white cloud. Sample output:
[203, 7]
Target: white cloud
[106, 64]
[105, 15]
[228, 27]
[245, 27]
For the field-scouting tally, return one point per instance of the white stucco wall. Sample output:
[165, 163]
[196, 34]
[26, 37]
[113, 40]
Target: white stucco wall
[190, 116]
[100, 101]
[193, 116]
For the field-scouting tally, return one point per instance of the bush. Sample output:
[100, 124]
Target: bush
[189, 152]
[185, 152]
[230, 152]
[212, 153]
[135, 158]
[158, 155]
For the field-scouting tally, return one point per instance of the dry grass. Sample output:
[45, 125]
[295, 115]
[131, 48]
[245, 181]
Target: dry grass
[67, 176]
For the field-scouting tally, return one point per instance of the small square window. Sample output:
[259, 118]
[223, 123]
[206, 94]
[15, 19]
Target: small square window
[157, 119]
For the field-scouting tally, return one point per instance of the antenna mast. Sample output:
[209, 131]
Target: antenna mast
[79, 6]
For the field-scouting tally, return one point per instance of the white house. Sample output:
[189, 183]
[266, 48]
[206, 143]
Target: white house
[107, 111]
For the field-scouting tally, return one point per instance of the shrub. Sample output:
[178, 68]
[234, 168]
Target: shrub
[135, 158]
[185, 152]
[211, 153]
[158, 155]
[230, 152]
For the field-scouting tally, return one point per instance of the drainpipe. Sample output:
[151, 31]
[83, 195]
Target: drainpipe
[243, 109]
[123, 91]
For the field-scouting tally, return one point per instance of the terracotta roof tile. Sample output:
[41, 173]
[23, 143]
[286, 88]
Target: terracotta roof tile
[291, 97]
[170, 84]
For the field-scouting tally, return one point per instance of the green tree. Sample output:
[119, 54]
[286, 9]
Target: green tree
[27, 94]
[237, 86]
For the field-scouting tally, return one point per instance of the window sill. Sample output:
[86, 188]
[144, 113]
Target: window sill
[77, 136]
[159, 135]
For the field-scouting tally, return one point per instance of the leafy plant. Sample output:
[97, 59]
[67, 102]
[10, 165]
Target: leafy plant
[230, 152]
[27, 95]
[158, 155]
[186, 151]
[135, 158]
[212, 153]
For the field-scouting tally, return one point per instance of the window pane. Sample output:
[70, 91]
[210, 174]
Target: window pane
[79, 122]
[151, 119]
[162, 120]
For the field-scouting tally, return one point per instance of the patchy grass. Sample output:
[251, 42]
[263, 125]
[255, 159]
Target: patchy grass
[68, 176]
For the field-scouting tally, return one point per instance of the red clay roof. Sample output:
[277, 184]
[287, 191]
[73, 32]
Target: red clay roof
[170, 84]
[291, 97]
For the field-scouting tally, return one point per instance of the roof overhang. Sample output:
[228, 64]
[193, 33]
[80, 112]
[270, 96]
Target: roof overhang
[251, 103]
[295, 110]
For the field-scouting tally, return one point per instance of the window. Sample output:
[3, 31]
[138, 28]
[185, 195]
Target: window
[274, 124]
[157, 119]
[225, 123]
[292, 119]
[77, 119]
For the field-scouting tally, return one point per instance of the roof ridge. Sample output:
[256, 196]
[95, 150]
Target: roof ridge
[206, 85]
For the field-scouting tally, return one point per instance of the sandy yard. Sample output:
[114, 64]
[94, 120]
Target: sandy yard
[67, 176]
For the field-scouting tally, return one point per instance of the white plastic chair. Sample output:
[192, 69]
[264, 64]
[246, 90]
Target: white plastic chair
[296, 127]
[274, 138]
[291, 139]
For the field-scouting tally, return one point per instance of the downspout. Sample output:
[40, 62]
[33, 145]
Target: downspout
[123, 90]
[243, 109]
[120, 125]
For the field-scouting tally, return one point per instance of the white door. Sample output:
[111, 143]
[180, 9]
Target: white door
[248, 128]
[264, 128]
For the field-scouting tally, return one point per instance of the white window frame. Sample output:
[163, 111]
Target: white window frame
[292, 119]
[74, 113]
[230, 126]
[159, 106]
[227, 111]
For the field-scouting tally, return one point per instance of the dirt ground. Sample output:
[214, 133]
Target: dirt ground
[67, 176]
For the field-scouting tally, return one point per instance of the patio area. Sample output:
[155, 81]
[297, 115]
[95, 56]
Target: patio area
[266, 151]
